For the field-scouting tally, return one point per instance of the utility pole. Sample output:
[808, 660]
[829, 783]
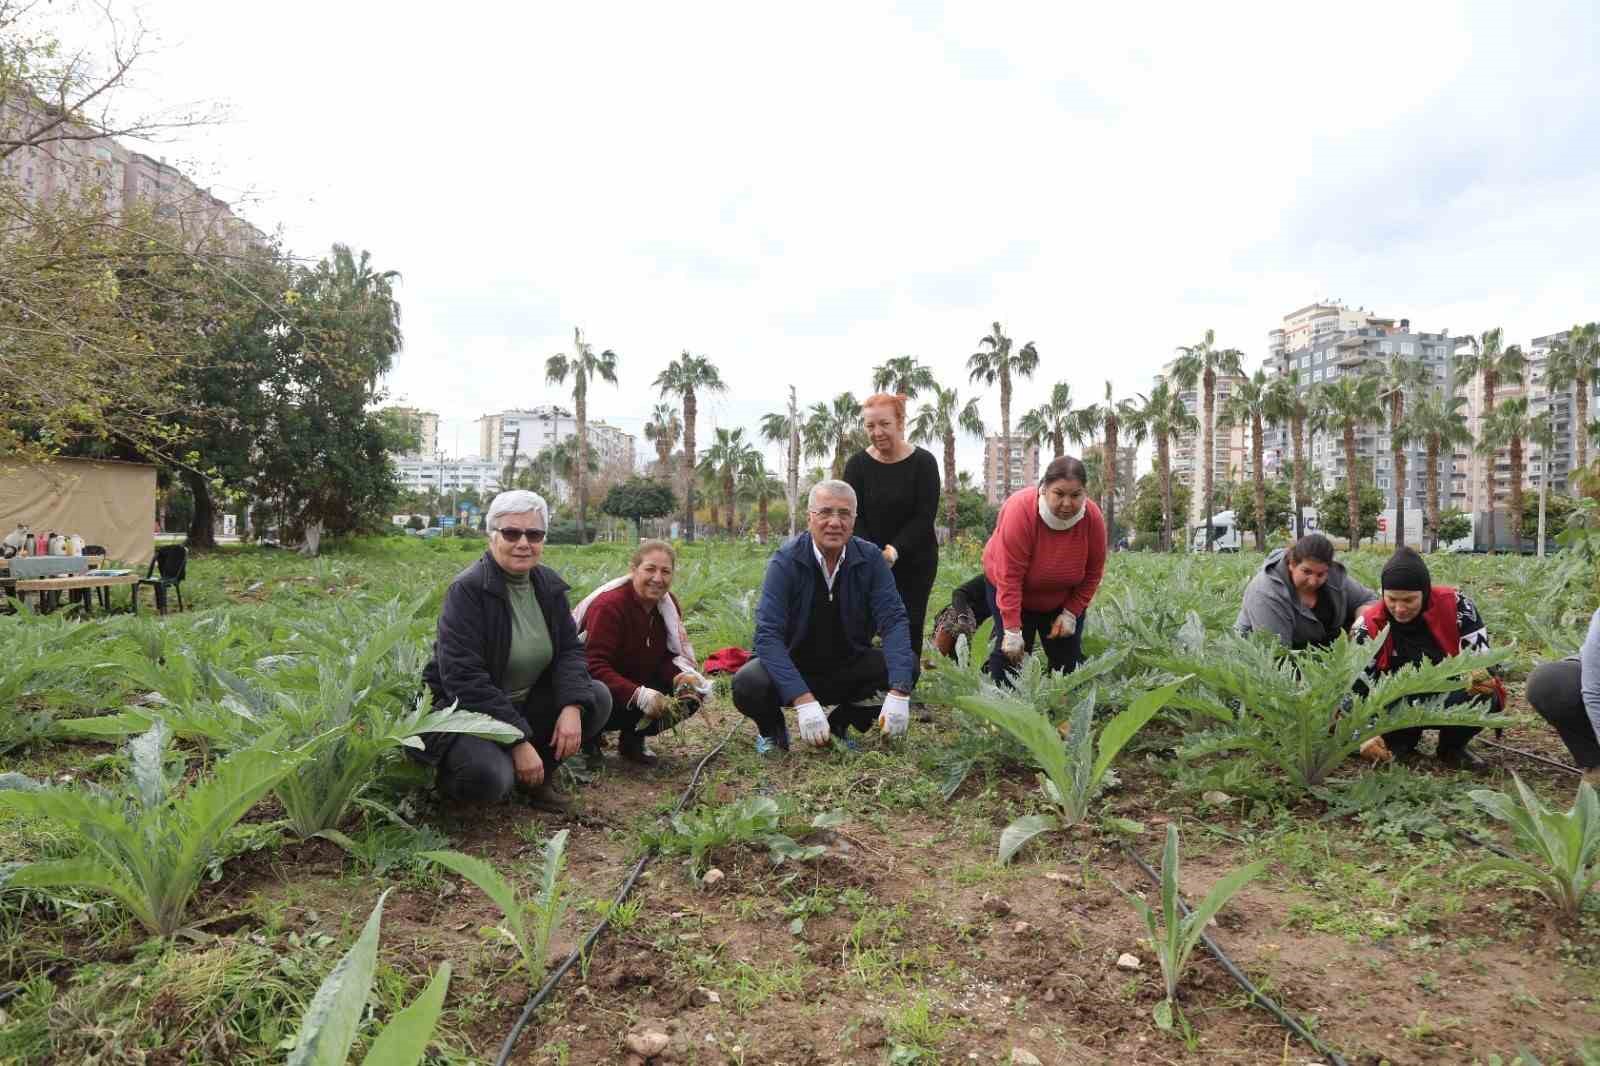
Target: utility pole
[794, 453]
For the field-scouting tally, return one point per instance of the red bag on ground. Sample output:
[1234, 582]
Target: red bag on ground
[726, 661]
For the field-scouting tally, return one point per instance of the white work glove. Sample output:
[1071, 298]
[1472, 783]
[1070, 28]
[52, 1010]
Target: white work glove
[891, 554]
[896, 714]
[1065, 625]
[813, 723]
[1011, 645]
[648, 700]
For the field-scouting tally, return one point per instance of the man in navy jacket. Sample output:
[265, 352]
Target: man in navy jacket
[825, 596]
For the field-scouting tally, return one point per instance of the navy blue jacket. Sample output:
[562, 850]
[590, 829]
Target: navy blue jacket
[868, 604]
[474, 643]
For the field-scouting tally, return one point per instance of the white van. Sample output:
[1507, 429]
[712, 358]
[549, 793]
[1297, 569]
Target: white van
[1226, 538]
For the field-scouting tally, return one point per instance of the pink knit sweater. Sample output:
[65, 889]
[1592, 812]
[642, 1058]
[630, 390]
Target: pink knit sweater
[1036, 568]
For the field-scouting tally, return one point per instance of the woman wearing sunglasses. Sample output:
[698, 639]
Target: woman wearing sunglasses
[507, 647]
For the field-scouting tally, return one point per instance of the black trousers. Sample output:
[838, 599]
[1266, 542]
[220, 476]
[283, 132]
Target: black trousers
[475, 770]
[851, 685]
[915, 586]
[1063, 653]
[1555, 690]
[626, 718]
[1451, 737]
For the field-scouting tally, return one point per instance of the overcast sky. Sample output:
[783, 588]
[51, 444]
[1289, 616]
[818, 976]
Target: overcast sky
[801, 191]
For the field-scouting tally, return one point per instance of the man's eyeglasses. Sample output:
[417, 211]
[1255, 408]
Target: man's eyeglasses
[513, 534]
[828, 514]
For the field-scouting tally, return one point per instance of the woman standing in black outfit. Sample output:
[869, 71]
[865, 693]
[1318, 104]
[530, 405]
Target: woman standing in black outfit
[897, 493]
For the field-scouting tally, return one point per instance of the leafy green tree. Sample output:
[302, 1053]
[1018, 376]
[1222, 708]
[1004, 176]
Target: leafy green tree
[728, 455]
[1289, 406]
[904, 375]
[975, 515]
[1336, 510]
[1053, 421]
[583, 366]
[1573, 363]
[1450, 526]
[938, 423]
[1113, 418]
[1153, 504]
[758, 486]
[687, 377]
[1166, 418]
[994, 362]
[1494, 362]
[1347, 407]
[1276, 510]
[835, 430]
[1248, 406]
[1438, 421]
[1200, 364]
[663, 430]
[638, 499]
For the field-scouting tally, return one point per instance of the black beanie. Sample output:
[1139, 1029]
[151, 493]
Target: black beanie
[1406, 572]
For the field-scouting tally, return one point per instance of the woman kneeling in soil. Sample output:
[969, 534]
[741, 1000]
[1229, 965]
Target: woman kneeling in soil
[1426, 623]
[507, 647]
[638, 648]
[1566, 694]
[1042, 567]
[1301, 596]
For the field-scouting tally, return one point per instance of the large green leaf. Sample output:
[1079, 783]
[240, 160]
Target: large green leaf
[1114, 736]
[1024, 829]
[404, 1040]
[329, 1026]
[489, 882]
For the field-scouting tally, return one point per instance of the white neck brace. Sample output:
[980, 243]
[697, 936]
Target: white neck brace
[1060, 525]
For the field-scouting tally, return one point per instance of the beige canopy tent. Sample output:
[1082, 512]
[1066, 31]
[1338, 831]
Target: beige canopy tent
[106, 502]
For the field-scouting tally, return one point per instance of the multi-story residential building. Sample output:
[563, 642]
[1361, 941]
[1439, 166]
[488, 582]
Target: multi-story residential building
[1230, 451]
[613, 447]
[1330, 347]
[1564, 413]
[1024, 459]
[524, 432]
[426, 426]
[421, 473]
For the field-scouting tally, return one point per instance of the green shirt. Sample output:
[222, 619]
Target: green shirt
[531, 649]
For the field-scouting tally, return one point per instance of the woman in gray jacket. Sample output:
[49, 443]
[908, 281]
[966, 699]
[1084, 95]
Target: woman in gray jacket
[1302, 596]
[1566, 694]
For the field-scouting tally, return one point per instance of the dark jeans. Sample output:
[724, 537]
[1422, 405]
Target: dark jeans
[1554, 690]
[851, 686]
[915, 586]
[475, 770]
[625, 719]
[1063, 653]
[1452, 737]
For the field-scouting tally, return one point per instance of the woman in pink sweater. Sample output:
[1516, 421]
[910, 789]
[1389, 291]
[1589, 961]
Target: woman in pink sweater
[1042, 566]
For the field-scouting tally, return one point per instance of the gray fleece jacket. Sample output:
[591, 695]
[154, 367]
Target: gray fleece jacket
[1271, 603]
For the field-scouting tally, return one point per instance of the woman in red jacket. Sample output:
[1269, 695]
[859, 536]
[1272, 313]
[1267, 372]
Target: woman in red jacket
[1042, 566]
[637, 647]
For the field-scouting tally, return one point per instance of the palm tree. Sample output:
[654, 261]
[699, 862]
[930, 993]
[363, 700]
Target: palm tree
[561, 460]
[965, 482]
[582, 365]
[663, 430]
[994, 361]
[686, 377]
[1111, 418]
[1437, 420]
[758, 486]
[727, 456]
[1510, 425]
[1495, 364]
[1248, 406]
[1200, 364]
[1288, 406]
[1052, 421]
[1165, 417]
[1574, 363]
[904, 375]
[787, 429]
[835, 429]
[1398, 375]
[1349, 406]
[938, 422]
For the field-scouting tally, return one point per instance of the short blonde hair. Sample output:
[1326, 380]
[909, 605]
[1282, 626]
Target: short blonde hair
[646, 547]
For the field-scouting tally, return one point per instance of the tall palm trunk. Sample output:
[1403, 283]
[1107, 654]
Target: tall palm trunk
[1164, 463]
[1059, 442]
[1489, 478]
[580, 396]
[202, 524]
[689, 410]
[1515, 515]
[1397, 411]
[1297, 430]
[794, 478]
[762, 528]
[1351, 489]
[1433, 490]
[1111, 477]
[664, 460]
[727, 497]
[1208, 449]
[1580, 426]
[950, 491]
[1261, 482]
[1005, 433]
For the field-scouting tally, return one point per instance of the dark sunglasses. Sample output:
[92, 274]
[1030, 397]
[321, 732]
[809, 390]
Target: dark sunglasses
[512, 534]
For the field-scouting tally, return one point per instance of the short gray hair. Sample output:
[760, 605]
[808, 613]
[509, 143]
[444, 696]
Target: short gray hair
[832, 488]
[517, 501]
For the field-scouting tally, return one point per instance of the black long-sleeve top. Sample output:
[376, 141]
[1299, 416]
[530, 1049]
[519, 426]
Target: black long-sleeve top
[898, 504]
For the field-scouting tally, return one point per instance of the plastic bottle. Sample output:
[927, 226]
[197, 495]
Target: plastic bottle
[27, 545]
[76, 547]
[58, 544]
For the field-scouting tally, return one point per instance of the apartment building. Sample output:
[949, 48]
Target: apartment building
[426, 426]
[1024, 460]
[421, 473]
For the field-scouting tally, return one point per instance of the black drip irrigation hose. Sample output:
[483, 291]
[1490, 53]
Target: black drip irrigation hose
[1530, 755]
[1255, 994]
[622, 894]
